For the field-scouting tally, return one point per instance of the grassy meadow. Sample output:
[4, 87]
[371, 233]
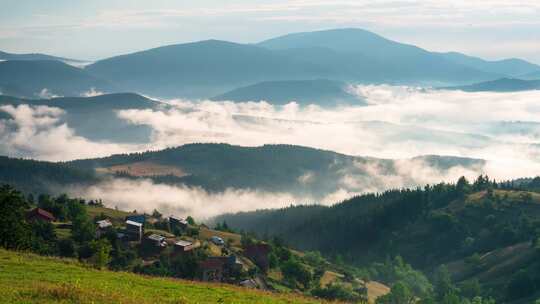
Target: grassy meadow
[29, 278]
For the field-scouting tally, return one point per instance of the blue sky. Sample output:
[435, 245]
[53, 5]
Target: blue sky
[492, 29]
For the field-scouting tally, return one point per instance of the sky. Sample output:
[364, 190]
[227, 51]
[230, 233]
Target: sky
[91, 30]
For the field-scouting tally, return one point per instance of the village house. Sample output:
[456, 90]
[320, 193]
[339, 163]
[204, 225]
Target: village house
[40, 214]
[258, 253]
[102, 227]
[217, 269]
[185, 247]
[155, 240]
[212, 270]
[134, 230]
[249, 283]
[139, 218]
[177, 225]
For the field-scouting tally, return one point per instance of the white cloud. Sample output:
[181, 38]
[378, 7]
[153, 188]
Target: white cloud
[398, 123]
[37, 132]
[91, 93]
[144, 195]
[46, 94]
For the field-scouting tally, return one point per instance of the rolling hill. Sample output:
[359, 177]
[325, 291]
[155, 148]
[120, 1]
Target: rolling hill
[531, 76]
[480, 232]
[32, 278]
[200, 69]
[36, 56]
[47, 78]
[510, 67]
[321, 92]
[32, 176]
[209, 68]
[95, 117]
[276, 168]
[366, 56]
[500, 85]
[297, 170]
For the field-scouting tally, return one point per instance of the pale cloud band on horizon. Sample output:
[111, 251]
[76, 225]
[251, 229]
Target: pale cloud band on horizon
[426, 23]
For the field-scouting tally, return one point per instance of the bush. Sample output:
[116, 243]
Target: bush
[314, 258]
[66, 248]
[521, 285]
[400, 294]
[15, 232]
[338, 292]
[295, 272]
[101, 249]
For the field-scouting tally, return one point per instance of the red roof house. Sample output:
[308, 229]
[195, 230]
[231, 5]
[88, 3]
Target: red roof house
[40, 214]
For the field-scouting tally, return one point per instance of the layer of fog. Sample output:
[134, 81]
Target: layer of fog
[38, 132]
[143, 195]
[398, 123]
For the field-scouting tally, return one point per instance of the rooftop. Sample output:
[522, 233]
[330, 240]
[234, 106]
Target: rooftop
[183, 243]
[156, 237]
[132, 223]
[104, 223]
[178, 219]
[44, 213]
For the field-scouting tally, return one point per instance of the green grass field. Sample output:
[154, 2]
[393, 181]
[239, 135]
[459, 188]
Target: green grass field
[29, 278]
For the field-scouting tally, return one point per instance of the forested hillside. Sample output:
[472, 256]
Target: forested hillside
[32, 176]
[215, 167]
[284, 168]
[455, 224]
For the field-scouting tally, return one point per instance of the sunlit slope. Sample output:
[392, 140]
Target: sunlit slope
[28, 278]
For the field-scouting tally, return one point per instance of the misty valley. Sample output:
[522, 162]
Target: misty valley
[329, 166]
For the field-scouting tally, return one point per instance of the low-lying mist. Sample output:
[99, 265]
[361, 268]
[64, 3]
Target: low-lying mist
[398, 123]
[145, 195]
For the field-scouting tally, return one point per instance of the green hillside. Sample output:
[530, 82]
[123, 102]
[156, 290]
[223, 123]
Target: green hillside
[484, 232]
[284, 168]
[29, 278]
[216, 167]
[31, 176]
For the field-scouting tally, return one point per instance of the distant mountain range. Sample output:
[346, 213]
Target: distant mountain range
[95, 117]
[320, 91]
[500, 85]
[531, 76]
[209, 68]
[47, 78]
[200, 69]
[37, 56]
[511, 67]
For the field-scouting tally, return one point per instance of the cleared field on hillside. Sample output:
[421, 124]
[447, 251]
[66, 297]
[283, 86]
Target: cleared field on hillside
[28, 278]
[144, 169]
[117, 216]
[206, 234]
